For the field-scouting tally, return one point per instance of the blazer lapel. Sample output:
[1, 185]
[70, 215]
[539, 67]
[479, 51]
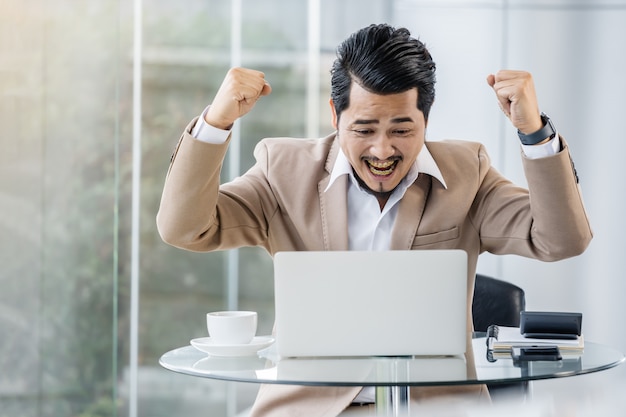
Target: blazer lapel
[334, 206]
[410, 211]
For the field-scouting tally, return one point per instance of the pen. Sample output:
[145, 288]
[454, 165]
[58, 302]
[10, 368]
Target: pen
[492, 334]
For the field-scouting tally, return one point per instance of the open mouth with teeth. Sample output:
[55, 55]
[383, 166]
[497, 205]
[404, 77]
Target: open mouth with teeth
[382, 168]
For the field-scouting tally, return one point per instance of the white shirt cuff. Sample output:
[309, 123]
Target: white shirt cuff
[207, 133]
[552, 147]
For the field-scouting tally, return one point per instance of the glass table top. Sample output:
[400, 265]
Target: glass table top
[266, 367]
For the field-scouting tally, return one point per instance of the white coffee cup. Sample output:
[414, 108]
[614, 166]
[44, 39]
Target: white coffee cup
[231, 327]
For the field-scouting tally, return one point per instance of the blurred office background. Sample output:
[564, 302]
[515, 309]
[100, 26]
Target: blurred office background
[94, 95]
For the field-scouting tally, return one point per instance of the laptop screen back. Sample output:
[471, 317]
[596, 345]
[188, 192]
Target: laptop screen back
[388, 303]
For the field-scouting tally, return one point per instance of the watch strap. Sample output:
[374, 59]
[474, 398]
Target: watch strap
[547, 131]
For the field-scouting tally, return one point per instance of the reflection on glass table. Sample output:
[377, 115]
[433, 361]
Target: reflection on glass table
[391, 375]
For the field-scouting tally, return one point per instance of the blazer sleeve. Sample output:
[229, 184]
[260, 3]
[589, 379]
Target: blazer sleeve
[194, 213]
[549, 223]
[561, 221]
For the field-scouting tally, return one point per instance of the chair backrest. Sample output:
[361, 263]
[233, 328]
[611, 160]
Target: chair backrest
[496, 302]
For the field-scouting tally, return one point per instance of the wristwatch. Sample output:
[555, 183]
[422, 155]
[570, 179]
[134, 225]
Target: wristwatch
[546, 131]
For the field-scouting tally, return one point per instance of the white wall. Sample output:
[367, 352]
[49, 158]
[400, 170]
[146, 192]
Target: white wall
[576, 51]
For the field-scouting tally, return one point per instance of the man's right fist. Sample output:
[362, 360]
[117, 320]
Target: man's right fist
[236, 96]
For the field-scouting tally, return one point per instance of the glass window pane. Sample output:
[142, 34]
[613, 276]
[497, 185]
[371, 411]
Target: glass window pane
[59, 67]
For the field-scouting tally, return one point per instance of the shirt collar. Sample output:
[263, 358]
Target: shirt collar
[424, 163]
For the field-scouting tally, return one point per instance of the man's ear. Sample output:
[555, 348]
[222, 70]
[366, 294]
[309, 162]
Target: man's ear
[333, 113]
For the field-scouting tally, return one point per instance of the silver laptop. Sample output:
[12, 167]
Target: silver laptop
[387, 303]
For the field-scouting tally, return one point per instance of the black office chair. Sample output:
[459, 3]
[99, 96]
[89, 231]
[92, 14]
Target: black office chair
[498, 302]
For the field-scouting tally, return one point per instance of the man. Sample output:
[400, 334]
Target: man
[374, 184]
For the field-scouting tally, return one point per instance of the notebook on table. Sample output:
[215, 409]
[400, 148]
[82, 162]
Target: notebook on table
[387, 303]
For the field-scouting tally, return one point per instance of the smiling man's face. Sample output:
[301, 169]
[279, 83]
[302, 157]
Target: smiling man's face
[381, 135]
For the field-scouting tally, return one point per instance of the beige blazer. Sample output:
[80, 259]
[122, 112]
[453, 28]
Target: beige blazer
[281, 204]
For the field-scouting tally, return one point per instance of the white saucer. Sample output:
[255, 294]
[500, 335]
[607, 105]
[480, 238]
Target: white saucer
[205, 344]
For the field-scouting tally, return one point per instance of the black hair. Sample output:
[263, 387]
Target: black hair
[383, 60]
